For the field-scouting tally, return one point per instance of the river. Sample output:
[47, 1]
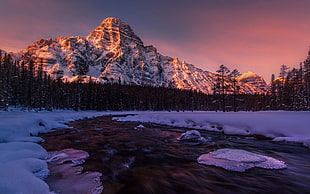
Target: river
[150, 160]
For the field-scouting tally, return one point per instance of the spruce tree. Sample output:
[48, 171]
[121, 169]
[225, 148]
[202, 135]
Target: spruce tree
[221, 78]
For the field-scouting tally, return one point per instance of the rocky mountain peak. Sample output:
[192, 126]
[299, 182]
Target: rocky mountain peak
[113, 22]
[254, 80]
[112, 31]
[248, 74]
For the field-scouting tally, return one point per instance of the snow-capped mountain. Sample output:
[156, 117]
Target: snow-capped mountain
[252, 79]
[114, 53]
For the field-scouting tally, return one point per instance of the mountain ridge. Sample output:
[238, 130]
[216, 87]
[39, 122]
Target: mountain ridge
[112, 52]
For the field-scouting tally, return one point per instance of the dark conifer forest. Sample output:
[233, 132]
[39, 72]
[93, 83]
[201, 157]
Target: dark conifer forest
[31, 88]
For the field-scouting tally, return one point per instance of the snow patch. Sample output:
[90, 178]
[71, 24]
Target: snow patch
[239, 160]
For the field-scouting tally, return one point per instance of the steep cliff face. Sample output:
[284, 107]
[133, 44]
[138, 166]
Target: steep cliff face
[114, 53]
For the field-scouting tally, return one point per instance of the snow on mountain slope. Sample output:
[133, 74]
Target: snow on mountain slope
[114, 53]
[254, 81]
[2, 52]
[14, 56]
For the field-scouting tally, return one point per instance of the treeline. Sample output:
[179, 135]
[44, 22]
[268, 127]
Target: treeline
[29, 87]
[291, 90]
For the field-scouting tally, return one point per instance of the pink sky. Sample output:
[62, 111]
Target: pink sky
[256, 35]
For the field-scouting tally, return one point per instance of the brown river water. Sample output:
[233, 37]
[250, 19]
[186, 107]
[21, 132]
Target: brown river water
[150, 160]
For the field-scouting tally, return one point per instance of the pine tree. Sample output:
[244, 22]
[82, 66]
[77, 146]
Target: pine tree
[30, 83]
[233, 75]
[221, 77]
[283, 71]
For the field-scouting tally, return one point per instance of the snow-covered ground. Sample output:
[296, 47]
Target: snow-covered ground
[23, 161]
[279, 125]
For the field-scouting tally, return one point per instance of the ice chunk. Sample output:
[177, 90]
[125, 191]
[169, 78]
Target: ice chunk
[192, 137]
[75, 156]
[237, 155]
[67, 177]
[239, 160]
[139, 127]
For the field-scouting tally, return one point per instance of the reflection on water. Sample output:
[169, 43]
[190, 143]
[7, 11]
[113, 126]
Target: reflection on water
[150, 160]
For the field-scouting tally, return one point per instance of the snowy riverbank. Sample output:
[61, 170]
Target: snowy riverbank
[279, 125]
